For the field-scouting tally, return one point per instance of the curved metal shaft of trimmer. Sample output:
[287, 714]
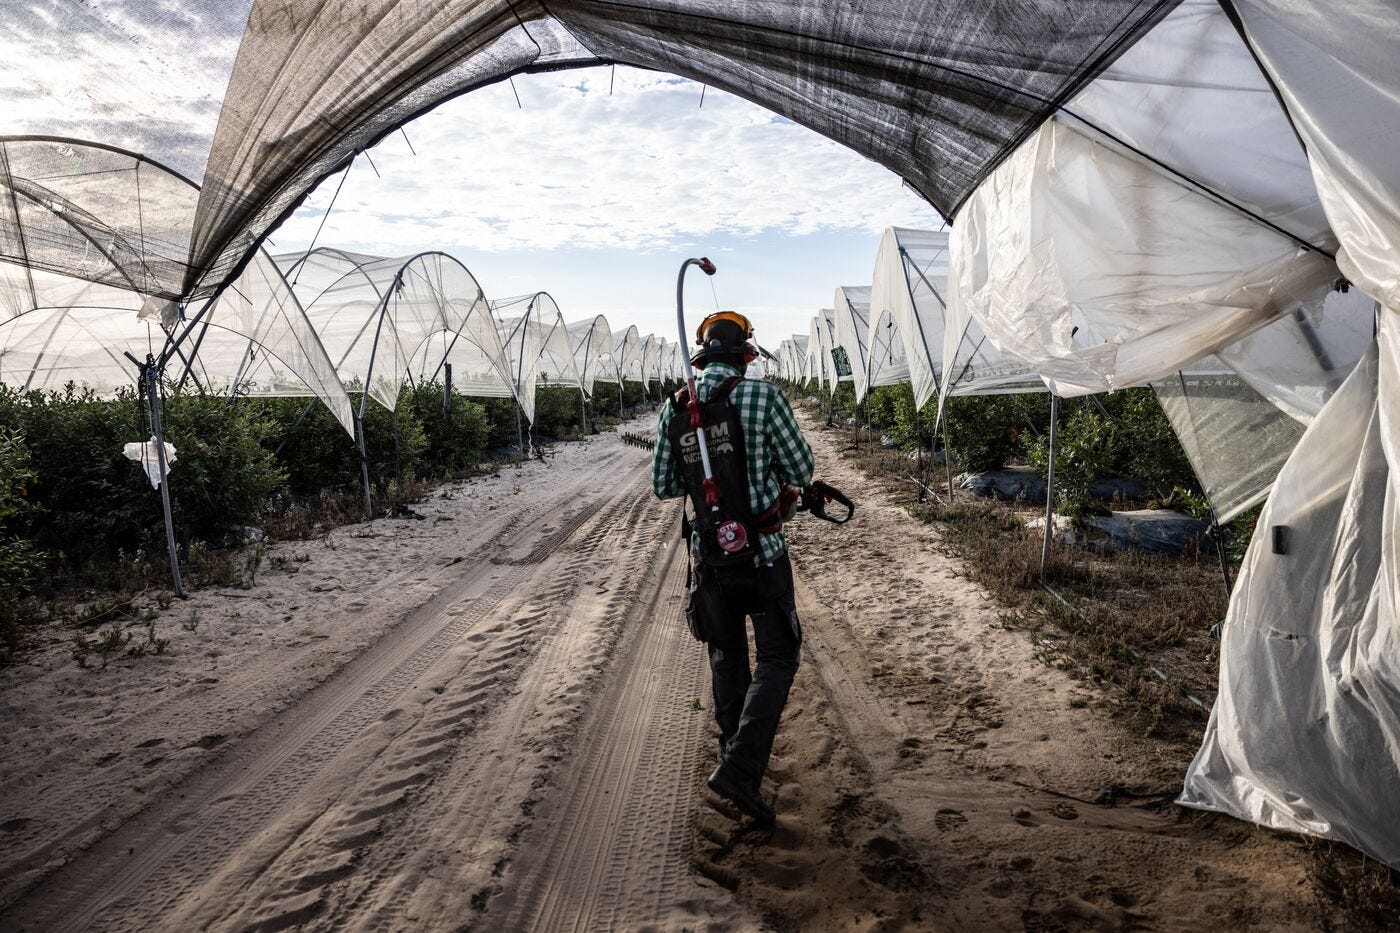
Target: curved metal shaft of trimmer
[708, 268]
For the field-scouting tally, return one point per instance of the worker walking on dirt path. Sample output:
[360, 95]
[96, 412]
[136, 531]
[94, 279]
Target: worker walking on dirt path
[755, 449]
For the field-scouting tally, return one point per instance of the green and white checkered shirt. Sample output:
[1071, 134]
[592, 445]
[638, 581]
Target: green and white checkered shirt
[777, 452]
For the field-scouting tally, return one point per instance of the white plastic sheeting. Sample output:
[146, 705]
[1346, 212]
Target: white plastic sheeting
[852, 331]
[1240, 412]
[888, 365]
[627, 354]
[799, 362]
[1305, 732]
[909, 284]
[255, 336]
[1098, 271]
[537, 346]
[1335, 67]
[1190, 95]
[787, 363]
[820, 342]
[387, 321]
[147, 455]
[1236, 440]
[649, 356]
[662, 360]
[1299, 360]
[674, 370]
[593, 352]
[812, 370]
[118, 225]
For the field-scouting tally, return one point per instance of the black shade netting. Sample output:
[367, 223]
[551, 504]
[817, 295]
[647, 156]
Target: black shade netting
[937, 92]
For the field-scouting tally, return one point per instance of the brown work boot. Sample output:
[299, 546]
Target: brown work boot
[742, 796]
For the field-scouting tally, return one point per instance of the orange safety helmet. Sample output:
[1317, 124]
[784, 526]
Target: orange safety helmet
[732, 316]
[746, 350]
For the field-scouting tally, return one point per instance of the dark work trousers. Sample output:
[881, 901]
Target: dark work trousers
[748, 704]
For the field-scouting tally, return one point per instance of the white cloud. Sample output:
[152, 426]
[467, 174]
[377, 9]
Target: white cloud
[643, 169]
[120, 72]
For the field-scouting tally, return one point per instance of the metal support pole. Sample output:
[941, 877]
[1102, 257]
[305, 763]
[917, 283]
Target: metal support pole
[398, 464]
[1218, 534]
[919, 444]
[152, 380]
[583, 410]
[948, 460]
[447, 389]
[619, 398]
[1050, 487]
[519, 435]
[364, 460]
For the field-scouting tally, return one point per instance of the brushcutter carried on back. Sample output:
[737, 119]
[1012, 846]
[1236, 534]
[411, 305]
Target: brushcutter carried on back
[732, 536]
[727, 524]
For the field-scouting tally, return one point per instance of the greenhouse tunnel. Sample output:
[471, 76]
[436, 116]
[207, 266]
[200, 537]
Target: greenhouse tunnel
[1114, 221]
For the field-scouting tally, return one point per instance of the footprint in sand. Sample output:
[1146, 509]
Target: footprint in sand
[948, 818]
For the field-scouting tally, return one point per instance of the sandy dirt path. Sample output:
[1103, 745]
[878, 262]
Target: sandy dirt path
[933, 773]
[547, 673]
[495, 719]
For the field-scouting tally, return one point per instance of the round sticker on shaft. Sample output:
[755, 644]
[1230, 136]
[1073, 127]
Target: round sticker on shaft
[732, 536]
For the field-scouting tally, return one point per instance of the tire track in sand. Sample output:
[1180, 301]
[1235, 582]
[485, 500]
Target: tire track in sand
[59, 821]
[459, 818]
[140, 873]
[613, 846]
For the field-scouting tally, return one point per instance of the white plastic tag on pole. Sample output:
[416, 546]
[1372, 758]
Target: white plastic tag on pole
[145, 454]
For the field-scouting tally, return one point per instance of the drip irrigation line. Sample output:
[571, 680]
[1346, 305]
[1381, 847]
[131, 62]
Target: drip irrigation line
[926, 489]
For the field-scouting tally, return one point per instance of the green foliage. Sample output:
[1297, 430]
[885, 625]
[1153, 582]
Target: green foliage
[224, 473]
[311, 446]
[500, 422]
[90, 502]
[382, 429]
[631, 393]
[1130, 437]
[843, 400]
[556, 412]
[319, 455]
[453, 440]
[880, 404]
[19, 560]
[987, 432]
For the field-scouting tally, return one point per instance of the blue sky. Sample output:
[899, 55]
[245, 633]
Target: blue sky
[597, 197]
